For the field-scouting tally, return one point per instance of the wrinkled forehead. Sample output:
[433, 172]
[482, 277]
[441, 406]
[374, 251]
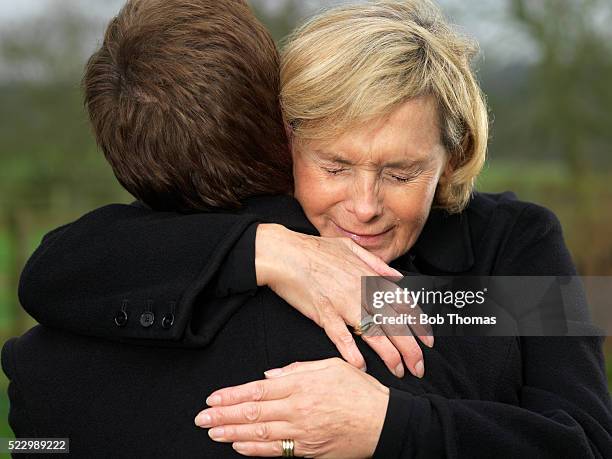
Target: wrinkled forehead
[410, 134]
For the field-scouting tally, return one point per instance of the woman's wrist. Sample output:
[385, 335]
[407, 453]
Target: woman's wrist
[271, 241]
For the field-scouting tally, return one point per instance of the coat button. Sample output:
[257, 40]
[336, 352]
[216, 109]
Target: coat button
[168, 321]
[121, 319]
[147, 318]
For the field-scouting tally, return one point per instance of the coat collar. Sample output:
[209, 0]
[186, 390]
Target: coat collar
[444, 244]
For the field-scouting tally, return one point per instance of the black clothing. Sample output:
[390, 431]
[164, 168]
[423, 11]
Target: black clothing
[532, 396]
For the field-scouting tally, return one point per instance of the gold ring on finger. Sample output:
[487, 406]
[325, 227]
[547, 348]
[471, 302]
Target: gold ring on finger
[288, 447]
[366, 323]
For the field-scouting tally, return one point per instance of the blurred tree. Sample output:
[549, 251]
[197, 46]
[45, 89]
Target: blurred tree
[569, 85]
[281, 18]
[566, 112]
[50, 167]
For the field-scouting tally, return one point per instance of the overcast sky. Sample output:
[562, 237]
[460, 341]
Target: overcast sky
[493, 32]
[11, 10]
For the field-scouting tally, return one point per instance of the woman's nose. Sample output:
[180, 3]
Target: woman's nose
[365, 201]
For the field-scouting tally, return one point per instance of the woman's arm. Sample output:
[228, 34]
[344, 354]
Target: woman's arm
[331, 410]
[564, 411]
[321, 278]
[113, 269]
[564, 407]
[126, 272]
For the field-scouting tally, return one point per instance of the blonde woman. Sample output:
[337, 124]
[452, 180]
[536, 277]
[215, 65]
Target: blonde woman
[388, 130]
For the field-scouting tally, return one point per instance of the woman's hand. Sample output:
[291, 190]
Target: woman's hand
[328, 407]
[321, 278]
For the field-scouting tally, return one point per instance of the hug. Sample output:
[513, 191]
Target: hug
[220, 314]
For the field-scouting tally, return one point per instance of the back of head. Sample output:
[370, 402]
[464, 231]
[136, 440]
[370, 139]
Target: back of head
[183, 100]
[357, 62]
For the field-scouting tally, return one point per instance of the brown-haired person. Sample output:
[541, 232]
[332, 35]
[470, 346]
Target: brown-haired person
[183, 98]
[184, 102]
[364, 90]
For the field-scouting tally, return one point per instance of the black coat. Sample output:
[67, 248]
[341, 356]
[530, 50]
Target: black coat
[129, 388]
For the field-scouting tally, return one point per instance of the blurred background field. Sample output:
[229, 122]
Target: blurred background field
[545, 65]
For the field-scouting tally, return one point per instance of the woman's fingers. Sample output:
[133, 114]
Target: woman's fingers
[273, 388]
[374, 262]
[244, 413]
[335, 328]
[331, 270]
[271, 449]
[387, 352]
[423, 331]
[262, 449]
[263, 431]
[269, 389]
[320, 415]
[300, 367]
[411, 353]
[401, 338]
[394, 342]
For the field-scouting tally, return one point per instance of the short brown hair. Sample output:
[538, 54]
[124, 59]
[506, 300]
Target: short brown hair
[183, 100]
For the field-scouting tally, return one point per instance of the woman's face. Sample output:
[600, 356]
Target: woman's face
[376, 183]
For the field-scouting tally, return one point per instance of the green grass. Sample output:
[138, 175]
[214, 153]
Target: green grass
[527, 176]
[5, 288]
[5, 430]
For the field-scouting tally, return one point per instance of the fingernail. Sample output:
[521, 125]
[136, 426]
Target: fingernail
[239, 447]
[419, 369]
[203, 420]
[399, 371]
[430, 341]
[274, 372]
[216, 432]
[364, 368]
[213, 400]
[397, 273]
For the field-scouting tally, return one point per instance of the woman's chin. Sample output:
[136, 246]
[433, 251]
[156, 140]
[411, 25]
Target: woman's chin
[384, 253]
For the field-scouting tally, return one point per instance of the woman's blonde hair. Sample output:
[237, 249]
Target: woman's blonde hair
[354, 63]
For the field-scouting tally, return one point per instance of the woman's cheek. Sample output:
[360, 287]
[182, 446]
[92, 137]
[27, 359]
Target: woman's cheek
[315, 193]
[330, 189]
[426, 190]
[412, 210]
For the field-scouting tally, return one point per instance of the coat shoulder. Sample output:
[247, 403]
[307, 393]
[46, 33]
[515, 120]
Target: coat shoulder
[487, 211]
[517, 237]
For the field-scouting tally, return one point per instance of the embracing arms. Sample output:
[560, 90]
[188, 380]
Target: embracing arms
[128, 273]
[560, 407]
[331, 410]
[100, 274]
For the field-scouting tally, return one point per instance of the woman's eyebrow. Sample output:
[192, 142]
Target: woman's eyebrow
[406, 164]
[398, 164]
[333, 157]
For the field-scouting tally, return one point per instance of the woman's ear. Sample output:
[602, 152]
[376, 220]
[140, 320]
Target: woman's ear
[290, 138]
[448, 168]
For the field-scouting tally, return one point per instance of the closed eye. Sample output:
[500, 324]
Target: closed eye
[334, 171]
[405, 178]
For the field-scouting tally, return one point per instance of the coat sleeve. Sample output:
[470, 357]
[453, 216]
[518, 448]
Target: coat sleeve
[564, 409]
[128, 273]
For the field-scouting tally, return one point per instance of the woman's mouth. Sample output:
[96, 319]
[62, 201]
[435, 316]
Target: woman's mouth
[364, 238]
